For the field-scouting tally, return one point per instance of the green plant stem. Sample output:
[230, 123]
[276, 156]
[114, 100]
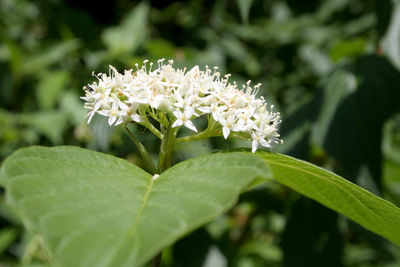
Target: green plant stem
[209, 132]
[166, 149]
[152, 129]
[143, 151]
[202, 135]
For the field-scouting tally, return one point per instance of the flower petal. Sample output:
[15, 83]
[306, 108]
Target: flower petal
[226, 131]
[177, 123]
[189, 124]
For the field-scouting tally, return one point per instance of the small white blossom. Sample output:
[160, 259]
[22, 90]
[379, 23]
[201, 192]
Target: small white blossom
[215, 109]
[174, 95]
[113, 114]
[258, 138]
[184, 119]
[228, 124]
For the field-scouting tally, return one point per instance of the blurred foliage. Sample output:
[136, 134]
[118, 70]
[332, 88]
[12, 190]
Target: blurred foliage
[330, 67]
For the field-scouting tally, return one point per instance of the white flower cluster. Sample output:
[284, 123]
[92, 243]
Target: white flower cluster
[175, 96]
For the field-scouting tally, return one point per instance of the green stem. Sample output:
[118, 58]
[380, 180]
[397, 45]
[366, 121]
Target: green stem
[164, 118]
[166, 149]
[153, 115]
[204, 134]
[149, 125]
[152, 129]
[143, 151]
[209, 132]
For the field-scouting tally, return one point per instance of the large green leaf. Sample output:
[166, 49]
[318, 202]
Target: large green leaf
[365, 208]
[94, 209]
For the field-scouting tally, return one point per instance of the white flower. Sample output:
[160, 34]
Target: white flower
[96, 100]
[228, 124]
[188, 102]
[215, 109]
[170, 95]
[245, 123]
[184, 119]
[130, 112]
[258, 139]
[113, 114]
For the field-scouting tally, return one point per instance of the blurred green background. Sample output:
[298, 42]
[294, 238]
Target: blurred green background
[330, 67]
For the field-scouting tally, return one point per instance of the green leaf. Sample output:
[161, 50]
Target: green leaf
[237, 50]
[159, 48]
[49, 87]
[391, 40]
[56, 53]
[49, 123]
[94, 209]
[339, 85]
[127, 37]
[71, 105]
[308, 220]
[365, 208]
[7, 236]
[355, 130]
[269, 252]
[348, 48]
[244, 8]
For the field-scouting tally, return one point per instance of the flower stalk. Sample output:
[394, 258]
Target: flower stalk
[143, 152]
[166, 149]
[152, 129]
[210, 131]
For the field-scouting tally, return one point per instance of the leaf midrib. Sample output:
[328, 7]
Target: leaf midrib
[145, 200]
[132, 230]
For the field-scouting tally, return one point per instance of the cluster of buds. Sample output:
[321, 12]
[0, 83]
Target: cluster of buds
[176, 96]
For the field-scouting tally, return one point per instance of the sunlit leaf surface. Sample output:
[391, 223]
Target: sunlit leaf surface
[94, 209]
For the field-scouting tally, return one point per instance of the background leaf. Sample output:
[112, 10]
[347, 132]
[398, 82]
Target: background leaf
[391, 40]
[244, 8]
[49, 123]
[49, 56]
[49, 87]
[126, 37]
